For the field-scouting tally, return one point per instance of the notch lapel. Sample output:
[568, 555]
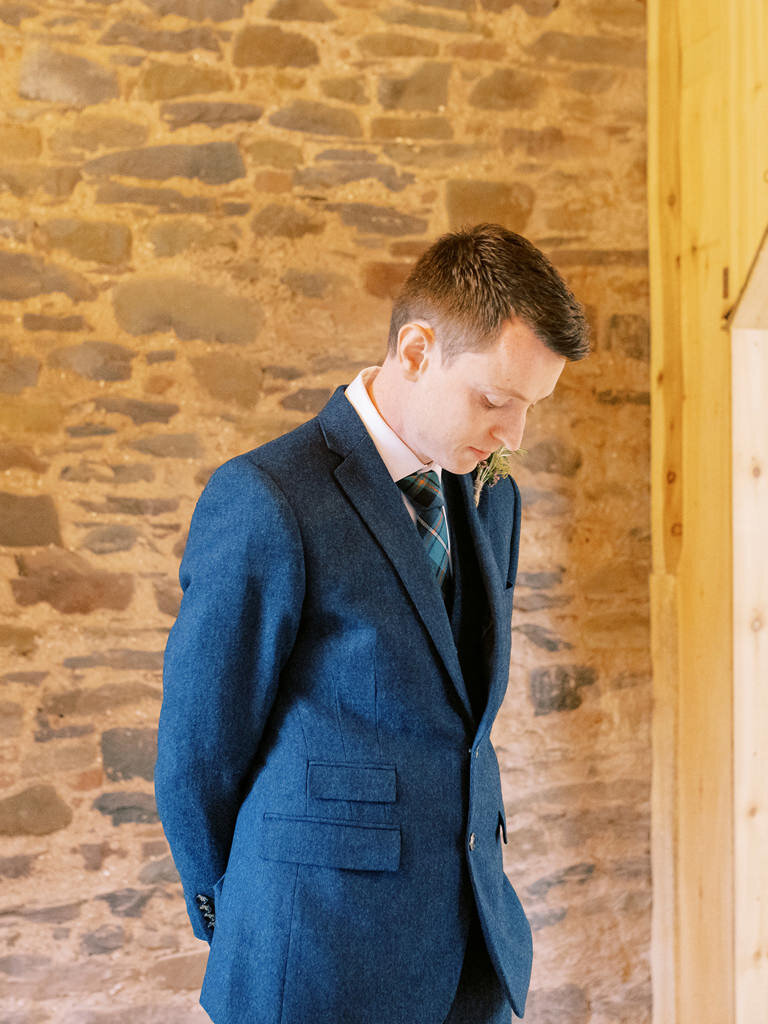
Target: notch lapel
[378, 501]
[494, 588]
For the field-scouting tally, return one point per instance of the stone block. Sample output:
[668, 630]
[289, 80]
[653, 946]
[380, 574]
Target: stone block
[57, 77]
[199, 10]
[133, 34]
[96, 360]
[21, 639]
[629, 334]
[556, 687]
[97, 701]
[329, 175]
[622, 52]
[554, 456]
[472, 201]
[24, 179]
[144, 305]
[312, 285]
[386, 128]
[310, 400]
[397, 44]
[265, 45]
[124, 808]
[68, 583]
[228, 378]
[285, 222]
[97, 131]
[11, 719]
[125, 506]
[274, 153]
[425, 89]
[591, 80]
[169, 446]
[301, 10]
[20, 455]
[28, 520]
[182, 972]
[35, 811]
[349, 90]
[214, 163]
[542, 637]
[138, 411]
[158, 872]
[555, 1005]
[129, 753]
[536, 8]
[121, 658]
[17, 371]
[58, 324]
[167, 597]
[126, 902]
[17, 865]
[169, 200]
[105, 939]
[213, 114]
[317, 119]
[508, 89]
[160, 81]
[378, 220]
[101, 241]
[423, 19]
[384, 280]
[22, 141]
[104, 540]
[23, 275]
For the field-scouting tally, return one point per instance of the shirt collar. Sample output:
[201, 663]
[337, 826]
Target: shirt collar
[395, 453]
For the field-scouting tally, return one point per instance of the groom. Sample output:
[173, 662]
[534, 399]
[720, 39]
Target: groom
[325, 775]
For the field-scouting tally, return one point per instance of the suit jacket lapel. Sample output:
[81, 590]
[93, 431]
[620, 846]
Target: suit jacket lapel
[368, 485]
[494, 589]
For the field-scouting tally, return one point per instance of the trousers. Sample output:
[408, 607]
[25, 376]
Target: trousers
[479, 997]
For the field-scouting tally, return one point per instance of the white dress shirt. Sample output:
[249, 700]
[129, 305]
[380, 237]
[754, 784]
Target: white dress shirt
[395, 453]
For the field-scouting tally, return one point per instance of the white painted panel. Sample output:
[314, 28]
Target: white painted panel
[750, 652]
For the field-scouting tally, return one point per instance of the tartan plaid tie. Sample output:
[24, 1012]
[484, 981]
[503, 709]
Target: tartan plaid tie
[423, 490]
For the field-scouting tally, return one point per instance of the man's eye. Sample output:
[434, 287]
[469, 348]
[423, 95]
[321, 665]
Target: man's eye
[488, 403]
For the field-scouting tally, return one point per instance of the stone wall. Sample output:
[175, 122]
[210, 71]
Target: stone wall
[206, 208]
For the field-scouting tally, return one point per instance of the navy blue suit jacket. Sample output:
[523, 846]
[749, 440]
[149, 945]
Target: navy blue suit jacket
[331, 802]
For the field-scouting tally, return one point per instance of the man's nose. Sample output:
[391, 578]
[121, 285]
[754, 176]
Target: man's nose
[509, 430]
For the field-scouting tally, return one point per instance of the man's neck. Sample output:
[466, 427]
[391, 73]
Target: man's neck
[383, 394]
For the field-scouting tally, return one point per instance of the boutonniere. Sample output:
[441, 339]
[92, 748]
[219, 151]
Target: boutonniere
[490, 470]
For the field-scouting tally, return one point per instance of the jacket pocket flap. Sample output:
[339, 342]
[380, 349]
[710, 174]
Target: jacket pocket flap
[376, 783]
[329, 844]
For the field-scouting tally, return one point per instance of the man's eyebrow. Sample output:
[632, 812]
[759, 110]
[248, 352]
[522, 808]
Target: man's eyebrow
[516, 394]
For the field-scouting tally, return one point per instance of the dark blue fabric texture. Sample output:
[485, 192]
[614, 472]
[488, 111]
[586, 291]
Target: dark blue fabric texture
[325, 776]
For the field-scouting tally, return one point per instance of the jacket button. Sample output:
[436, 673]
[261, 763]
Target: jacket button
[471, 840]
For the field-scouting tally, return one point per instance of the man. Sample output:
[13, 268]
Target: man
[325, 775]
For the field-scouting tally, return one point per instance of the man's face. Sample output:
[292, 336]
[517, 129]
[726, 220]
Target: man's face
[459, 413]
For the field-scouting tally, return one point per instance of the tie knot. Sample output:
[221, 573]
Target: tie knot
[423, 489]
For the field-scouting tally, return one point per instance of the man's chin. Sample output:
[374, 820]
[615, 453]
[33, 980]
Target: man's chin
[464, 463]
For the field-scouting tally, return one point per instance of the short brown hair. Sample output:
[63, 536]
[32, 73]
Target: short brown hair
[469, 282]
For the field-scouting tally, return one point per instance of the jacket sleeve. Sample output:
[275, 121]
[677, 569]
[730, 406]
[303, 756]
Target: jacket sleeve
[242, 577]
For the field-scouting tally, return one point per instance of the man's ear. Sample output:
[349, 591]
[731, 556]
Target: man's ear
[416, 345]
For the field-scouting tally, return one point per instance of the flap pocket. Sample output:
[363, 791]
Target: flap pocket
[329, 844]
[376, 783]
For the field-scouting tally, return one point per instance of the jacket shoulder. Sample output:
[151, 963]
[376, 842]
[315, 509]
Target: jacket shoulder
[279, 458]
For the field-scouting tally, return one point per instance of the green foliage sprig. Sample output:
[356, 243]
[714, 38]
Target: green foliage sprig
[491, 470]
